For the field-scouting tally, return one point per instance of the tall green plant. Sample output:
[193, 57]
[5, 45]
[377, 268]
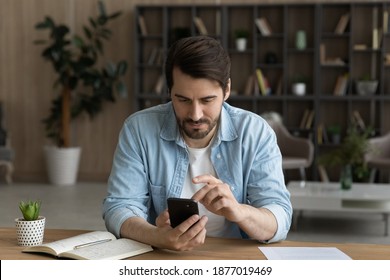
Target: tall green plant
[75, 59]
[351, 152]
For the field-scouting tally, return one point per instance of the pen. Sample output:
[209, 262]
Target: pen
[91, 243]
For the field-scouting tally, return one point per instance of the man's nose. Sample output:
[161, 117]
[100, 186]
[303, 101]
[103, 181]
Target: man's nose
[196, 112]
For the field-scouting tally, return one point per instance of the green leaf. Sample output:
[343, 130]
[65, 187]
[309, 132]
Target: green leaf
[47, 23]
[87, 32]
[114, 15]
[78, 41]
[122, 68]
[121, 89]
[102, 8]
[30, 210]
[111, 69]
[92, 22]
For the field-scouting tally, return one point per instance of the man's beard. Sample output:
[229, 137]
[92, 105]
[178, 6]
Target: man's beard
[197, 133]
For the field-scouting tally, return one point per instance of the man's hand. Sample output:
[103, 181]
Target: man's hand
[217, 197]
[186, 236]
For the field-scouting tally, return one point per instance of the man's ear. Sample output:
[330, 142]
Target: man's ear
[227, 93]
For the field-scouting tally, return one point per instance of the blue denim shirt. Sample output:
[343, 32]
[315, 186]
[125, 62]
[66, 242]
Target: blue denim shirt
[151, 162]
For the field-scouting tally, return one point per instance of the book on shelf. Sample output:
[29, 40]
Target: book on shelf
[323, 174]
[218, 29]
[153, 55]
[342, 24]
[329, 60]
[158, 87]
[142, 25]
[200, 26]
[357, 118]
[376, 30]
[304, 119]
[307, 119]
[262, 82]
[320, 129]
[263, 26]
[250, 85]
[95, 245]
[360, 47]
[340, 87]
[279, 86]
[310, 119]
[385, 22]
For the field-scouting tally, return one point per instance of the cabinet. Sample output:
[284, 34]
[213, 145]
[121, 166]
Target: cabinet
[338, 48]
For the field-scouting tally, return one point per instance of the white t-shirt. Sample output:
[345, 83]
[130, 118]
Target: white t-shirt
[200, 164]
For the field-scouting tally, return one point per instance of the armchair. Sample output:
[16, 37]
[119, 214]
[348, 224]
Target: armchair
[297, 152]
[378, 158]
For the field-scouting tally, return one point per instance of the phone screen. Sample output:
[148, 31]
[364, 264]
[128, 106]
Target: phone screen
[180, 209]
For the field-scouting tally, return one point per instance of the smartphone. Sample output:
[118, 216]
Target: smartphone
[180, 209]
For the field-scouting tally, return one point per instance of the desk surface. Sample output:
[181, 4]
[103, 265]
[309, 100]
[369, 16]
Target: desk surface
[214, 248]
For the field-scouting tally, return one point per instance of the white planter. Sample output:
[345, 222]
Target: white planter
[241, 44]
[366, 87]
[299, 89]
[30, 233]
[62, 164]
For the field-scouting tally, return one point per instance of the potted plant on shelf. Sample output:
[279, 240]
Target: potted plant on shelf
[30, 229]
[334, 132]
[350, 156]
[241, 36]
[298, 86]
[366, 85]
[75, 59]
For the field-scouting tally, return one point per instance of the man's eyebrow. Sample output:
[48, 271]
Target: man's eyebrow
[204, 97]
[180, 96]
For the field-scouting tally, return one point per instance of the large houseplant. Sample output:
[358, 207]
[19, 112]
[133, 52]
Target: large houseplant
[351, 153]
[75, 59]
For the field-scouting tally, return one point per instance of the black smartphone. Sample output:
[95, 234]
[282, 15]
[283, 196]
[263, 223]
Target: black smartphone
[180, 209]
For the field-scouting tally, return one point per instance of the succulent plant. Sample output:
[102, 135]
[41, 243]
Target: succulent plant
[30, 209]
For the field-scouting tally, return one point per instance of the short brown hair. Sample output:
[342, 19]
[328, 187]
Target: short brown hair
[199, 57]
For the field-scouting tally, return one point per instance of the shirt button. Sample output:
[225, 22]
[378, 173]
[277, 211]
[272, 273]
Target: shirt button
[219, 156]
[232, 188]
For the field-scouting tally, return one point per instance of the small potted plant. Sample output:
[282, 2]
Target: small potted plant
[241, 36]
[298, 86]
[334, 132]
[366, 85]
[30, 229]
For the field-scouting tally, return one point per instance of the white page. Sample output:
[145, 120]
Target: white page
[68, 244]
[303, 253]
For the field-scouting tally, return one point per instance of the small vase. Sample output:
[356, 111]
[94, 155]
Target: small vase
[300, 40]
[346, 177]
[241, 44]
[30, 233]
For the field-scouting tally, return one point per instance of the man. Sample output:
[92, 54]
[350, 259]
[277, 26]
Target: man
[197, 146]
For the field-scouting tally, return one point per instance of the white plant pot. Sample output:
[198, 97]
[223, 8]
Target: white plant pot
[241, 44]
[364, 88]
[62, 164]
[299, 89]
[30, 233]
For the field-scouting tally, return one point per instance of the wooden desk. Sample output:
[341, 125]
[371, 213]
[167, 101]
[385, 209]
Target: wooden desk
[213, 249]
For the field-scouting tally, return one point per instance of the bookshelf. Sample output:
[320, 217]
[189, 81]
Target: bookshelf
[339, 49]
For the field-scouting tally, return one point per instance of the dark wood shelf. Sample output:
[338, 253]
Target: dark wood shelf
[319, 21]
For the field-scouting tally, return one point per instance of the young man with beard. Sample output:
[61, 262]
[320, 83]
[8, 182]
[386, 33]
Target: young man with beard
[197, 146]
